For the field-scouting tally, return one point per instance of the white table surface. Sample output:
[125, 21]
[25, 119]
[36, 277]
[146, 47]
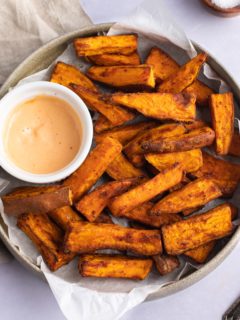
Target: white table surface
[25, 297]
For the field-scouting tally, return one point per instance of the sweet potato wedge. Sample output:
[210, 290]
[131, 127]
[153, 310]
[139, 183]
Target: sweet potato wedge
[184, 77]
[115, 114]
[93, 167]
[194, 139]
[194, 194]
[121, 44]
[121, 168]
[102, 124]
[37, 200]
[160, 132]
[190, 160]
[161, 106]
[114, 266]
[224, 173]
[93, 203]
[63, 216]
[108, 59]
[201, 253]
[142, 214]
[137, 160]
[195, 125]
[65, 74]
[126, 133]
[128, 78]
[84, 237]
[146, 191]
[198, 230]
[165, 264]
[164, 66]
[47, 238]
[234, 149]
[222, 111]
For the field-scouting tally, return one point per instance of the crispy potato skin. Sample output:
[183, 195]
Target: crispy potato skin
[65, 74]
[92, 204]
[146, 191]
[195, 139]
[165, 264]
[222, 111]
[194, 194]
[114, 266]
[102, 124]
[234, 148]
[224, 173]
[165, 66]
[115, 59]
[198, 230]
[142, 214]
[201, 253]
[63, 216]
[162, 131]
[161, 106]
[93, 167]
[84, 237]
[121, 168]
[190, 160]
[37, 200]
[125, 134]
[121, 44]
[128, 78]
[95, 101]
[47, 238]
[184, 77]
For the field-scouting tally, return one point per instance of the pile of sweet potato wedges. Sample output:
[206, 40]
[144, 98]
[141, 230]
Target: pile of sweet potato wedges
[158, 173]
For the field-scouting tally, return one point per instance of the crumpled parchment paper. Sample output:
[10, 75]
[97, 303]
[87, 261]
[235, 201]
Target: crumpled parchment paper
[107, 299]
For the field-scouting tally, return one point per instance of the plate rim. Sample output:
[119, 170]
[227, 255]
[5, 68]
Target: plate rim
[60, 43]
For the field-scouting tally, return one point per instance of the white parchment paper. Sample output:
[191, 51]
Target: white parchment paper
[107, 299]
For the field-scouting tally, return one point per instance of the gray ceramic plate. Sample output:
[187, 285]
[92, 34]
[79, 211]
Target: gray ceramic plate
[41, 59]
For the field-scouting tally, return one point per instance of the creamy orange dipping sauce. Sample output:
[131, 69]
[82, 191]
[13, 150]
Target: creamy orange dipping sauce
[42, 135]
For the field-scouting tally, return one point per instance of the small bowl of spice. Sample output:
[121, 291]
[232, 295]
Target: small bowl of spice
[46, 132]
[224, 8]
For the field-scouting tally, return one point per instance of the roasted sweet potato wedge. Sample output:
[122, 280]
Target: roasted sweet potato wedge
[194, 194]
[224, 173]
[146, 191]
[90, 46]
[184, 77]
[37, 200]
[108, 59]
[47, 238]
[65, 74]
[198, 230]
[159, 132]
[84, 237]
[142, 214]
[222, 111]
[190, 160]
[165, 264]
[93, 203]
[194, 139]
[195, 125]
[126, 133]
[128, 78]
[162, 106]
[121, 168]
[137, 160]
[114, 266]
[63, 216]
[201, 253]
[164, 66]
[98, 102]
[102, 124]
[234, 148]
[93, 167]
